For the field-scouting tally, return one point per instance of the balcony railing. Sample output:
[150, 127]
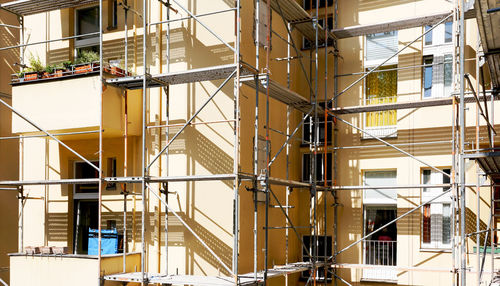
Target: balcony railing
[70, 71]
[381, 123]
[383, 253]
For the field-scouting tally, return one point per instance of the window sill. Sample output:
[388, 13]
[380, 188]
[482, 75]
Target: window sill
[438, 250]
[391, 281]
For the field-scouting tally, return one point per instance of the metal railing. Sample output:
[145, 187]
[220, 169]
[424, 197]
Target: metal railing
[380, 252]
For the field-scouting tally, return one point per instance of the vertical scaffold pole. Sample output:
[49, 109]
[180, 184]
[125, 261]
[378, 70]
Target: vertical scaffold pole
[236, 144]
[144, 130]
[463, 251]
[256, 139]
[101, 179]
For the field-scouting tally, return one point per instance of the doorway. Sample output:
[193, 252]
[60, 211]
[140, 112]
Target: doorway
[85, 206]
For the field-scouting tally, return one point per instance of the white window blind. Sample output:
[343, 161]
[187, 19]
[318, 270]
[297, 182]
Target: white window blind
[380, 196]
[381, 46]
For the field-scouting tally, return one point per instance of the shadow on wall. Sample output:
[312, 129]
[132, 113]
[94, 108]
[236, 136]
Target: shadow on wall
[199, 149]
[470, 226]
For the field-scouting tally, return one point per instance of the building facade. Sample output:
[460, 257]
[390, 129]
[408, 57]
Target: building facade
[220, 140]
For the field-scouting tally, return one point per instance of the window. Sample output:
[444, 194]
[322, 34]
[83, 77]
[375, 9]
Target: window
[381, 46]
[112, 14]
[428, 36]
[381, 88]
[436, 216]
[308, 126]
[442, 34]
[437, 76]
[320, 172]
[448, 32]
[308, 3]
[380, 196]
[86, 22]
[381, 247]
[324, 252]
[84, 171]
[428, 76]
[329, 25]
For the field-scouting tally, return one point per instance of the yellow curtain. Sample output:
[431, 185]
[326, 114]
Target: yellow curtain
[381, 88]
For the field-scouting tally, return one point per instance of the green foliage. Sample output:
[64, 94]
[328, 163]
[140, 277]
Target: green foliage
[36, 64]
[85, 57]
[50, 69]
[66, 64]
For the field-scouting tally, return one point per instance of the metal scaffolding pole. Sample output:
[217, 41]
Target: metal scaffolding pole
[144, 169]
[101, 181]
[392, 56]
[236, 159]
[461, 176]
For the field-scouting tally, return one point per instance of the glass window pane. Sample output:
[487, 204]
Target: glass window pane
[448, 32]
[446, 224]
[88, 20]
[448, 70]
[428, 77]
[428, 36]
[426, 224]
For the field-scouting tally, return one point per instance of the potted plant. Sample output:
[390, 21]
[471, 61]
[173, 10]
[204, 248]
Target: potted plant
[30, 74]
[49, 71]
[35, 70]
[59, 70]
[86, 62]
[20, 76]
[68, 67]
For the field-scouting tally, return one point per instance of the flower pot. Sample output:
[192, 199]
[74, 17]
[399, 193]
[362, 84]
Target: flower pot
[58, 73]
[83, 68]
[46, 75]
[30, 76]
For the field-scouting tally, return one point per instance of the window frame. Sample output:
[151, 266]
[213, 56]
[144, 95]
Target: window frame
[425, 68]
[90, 41]
[329, 166]
[437, 208]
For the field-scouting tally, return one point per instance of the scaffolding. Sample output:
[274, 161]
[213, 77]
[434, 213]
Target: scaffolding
[259, 78]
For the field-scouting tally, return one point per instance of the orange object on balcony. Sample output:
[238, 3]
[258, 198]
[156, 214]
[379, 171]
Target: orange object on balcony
[83, 68]
[31, 76]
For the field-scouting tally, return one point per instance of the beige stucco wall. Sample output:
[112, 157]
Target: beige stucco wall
[208, 149]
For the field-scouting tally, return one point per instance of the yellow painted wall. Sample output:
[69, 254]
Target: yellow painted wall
[208, 149]
[8, 148]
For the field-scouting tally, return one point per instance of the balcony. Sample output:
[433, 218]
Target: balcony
[381, 123]
[381, 253]
[66, 269]
[69, 100]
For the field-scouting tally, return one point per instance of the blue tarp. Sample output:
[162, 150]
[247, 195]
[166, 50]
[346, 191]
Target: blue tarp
[109, 241]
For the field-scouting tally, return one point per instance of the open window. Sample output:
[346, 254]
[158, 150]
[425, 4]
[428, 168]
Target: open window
[86, 22]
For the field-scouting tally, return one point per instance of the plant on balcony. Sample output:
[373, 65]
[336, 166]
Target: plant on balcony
[35, 69]
[49, 71]
[85, 61]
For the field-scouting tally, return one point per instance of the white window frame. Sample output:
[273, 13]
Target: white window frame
[389, 131]
[436, 206]
[379, 202]
[438, 49]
